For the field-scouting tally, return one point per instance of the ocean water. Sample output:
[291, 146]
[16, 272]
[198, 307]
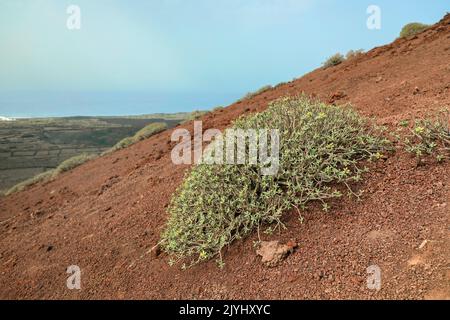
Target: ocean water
[59, 104]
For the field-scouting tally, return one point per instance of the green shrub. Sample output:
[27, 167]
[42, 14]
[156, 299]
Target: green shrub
[334, 60]
[122, 144]
[142, 134]
[42, 177]
[72, 163]
[430, 137]
[255, 93]
[413, 28]
[354, 54]
[320, 147]
[262, 90]
[150, 130]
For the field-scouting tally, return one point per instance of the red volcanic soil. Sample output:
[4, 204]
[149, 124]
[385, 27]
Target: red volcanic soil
[106, 215]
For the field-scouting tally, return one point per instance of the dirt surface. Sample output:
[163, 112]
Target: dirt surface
[106, 215]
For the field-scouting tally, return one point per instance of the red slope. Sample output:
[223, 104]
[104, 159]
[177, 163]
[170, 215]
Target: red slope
[105, 215]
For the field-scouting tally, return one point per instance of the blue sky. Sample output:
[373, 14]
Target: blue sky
[136, 56]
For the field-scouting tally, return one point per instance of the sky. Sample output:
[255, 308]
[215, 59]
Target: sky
[150, 56]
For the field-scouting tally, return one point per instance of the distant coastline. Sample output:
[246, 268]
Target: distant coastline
[6, 119]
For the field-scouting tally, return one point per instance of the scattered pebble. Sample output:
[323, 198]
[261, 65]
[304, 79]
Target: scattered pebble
[273, 252]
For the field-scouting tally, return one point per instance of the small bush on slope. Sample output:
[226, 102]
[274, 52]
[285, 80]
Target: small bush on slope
[320, 145]
[255, 93]
[413, 28]
[45, 176]
[150, 130]
[122, 144]
[334, 60]
[354, 54]
[72, 163]
[430, 137]
[142, 134]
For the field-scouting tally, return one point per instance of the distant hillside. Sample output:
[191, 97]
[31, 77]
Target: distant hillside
[31, 146]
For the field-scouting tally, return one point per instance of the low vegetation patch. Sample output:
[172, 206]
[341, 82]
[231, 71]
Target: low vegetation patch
[352, 54]
[72, 163]
[42, 177]
[142, 134]
[338, 58]
[334, 60]
[430, 137]
[255, 93]
[412, 29]
[122, 144]
[150, 130]
[321, 147]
